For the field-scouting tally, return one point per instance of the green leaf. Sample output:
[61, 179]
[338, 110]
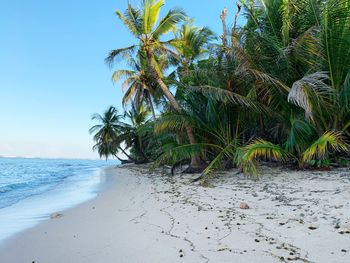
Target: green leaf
[330, 140]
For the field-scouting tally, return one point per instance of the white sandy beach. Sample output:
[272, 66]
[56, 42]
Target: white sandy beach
[294, 216]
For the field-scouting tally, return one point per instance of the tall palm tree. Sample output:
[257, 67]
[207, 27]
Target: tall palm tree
[143, 24]
[109, 134]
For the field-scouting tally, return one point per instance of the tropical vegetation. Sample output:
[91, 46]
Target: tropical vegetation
[274, 88]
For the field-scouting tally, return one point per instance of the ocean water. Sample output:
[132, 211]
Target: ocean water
[32, 189]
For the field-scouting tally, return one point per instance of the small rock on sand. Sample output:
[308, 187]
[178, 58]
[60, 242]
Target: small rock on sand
[55, 215]
[244, 206]
[312, 227]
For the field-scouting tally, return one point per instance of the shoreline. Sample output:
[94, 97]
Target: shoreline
[37, 208]
[294, 216]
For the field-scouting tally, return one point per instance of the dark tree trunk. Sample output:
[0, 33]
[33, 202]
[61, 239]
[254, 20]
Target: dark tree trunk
[195, 160]
[127, 155]
[124, 161]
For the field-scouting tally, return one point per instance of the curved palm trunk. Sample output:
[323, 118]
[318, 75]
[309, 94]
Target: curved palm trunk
[195, 160]
[127, 155]
[123, 161]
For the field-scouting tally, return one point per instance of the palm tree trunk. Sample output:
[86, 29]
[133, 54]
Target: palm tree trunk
[139, 143]
[195, 160]
[234, 29]
[224, 29]
[123, 161]
[127, 155]
[151, 106]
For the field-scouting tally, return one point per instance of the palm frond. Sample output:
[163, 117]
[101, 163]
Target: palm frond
[151, 13]
[227, 152]
[344, 95]
[120, 53]
[306, 49]
[336, 38]
[130, 93]
[223, 95]
[329, 141]
[121, 74]
[183, 152]
[258, 149]
[299, 134]
[95, 128]
[303, 90]
[171, 19]
[131, 18]
[176, 121]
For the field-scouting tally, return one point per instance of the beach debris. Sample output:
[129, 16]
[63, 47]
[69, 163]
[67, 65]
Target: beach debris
[56, 215]
[181, 253]
[244, 205]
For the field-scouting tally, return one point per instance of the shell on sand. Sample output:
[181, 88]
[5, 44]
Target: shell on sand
[244, 205]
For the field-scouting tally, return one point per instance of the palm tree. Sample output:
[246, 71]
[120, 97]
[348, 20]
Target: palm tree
[191, 44]
[109, 134]
[137, 84]
[143, 24]
[276, 88]
[138, 116]
[277, 58]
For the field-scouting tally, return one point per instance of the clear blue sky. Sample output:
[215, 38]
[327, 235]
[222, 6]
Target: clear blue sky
[52, 71]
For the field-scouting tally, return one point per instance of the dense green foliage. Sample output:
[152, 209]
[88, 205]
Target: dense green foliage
[275, 89]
